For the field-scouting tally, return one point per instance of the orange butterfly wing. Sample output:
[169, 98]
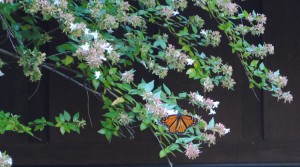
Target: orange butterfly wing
[189, 120]
[181, 126]
[178, 123]
[170, 122]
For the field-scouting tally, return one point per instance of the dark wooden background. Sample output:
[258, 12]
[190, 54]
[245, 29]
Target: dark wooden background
[264, 131]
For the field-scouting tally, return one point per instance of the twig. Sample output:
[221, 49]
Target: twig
[58, 54]
[2, 42]
[53, 30]
[239, 56]
[9, 54]
[88, 105]
[9, 33]
[169, 161]
[36, 89]
[70, 79]
[52, 69]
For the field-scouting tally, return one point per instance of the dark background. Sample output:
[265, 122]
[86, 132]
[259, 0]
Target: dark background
[262, 132]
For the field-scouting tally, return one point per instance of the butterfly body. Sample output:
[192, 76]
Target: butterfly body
[178, 123]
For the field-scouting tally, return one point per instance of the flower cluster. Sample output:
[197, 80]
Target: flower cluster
[210, 139]
[136, 21]
[176, 59]
[258, 28]
[156, 107]
[149, 3]
[261, 51]
[180, 4]
[276, 79]
[207, 104]
[220, 128]
[286, 96]
[127, 76]
[218, 67]
[5, 160]
[208, 84]
[212, 38]
[196, 21]
[192, 151]
[31, 61]
[94, 54]
[227, 7]
[124, 119]
[168, 11]
[156, 69]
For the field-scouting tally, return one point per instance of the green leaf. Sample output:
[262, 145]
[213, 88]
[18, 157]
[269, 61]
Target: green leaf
[167, 90]
[162, 153]
[211, 124]
[112, 71]
[186, 48]
[174, 147]
[149, 86]
[195, 30]
[82, 66]
[143, 126]
[261, 66]
[95, 83]
[254, 63]
[108, 135]
[76, 116]
[62, 118]
[117, 101]
[68, 60]
[191, 72]
[62, 130]
[102, 131]
[67, 116]
[182, 94]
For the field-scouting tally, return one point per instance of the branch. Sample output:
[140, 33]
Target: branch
[169, 161]
[52, 69]
[46, 66]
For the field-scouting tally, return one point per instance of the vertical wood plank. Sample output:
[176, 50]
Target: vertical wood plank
[282, 120]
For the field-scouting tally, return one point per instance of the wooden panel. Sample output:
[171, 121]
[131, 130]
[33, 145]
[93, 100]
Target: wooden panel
[139, 153]
[282, 120]
[13, 95]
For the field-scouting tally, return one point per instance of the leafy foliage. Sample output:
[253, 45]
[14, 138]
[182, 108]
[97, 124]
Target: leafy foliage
[106, 39]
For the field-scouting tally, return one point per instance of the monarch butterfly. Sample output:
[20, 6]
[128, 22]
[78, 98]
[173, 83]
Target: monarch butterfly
[178, 123]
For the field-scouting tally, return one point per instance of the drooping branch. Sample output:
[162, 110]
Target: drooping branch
[52, 69]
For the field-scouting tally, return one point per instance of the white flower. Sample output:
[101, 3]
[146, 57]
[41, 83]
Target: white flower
[85, 47]
[110, 31]
[216, 104]
[73, 26]
[9, 161]
[189, 61]
[211, 112]
[171, 112]
[144, 64]
[57, 2]
[104, 45]
[227, 130]
[175, 13]
[97, 74]
[103, 58]
[87, 31]
[199, 98]
[95, 34]
[203, 32]
[109, 49]
[1, 74]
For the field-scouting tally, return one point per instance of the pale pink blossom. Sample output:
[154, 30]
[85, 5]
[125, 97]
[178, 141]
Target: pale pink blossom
[192, 151]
